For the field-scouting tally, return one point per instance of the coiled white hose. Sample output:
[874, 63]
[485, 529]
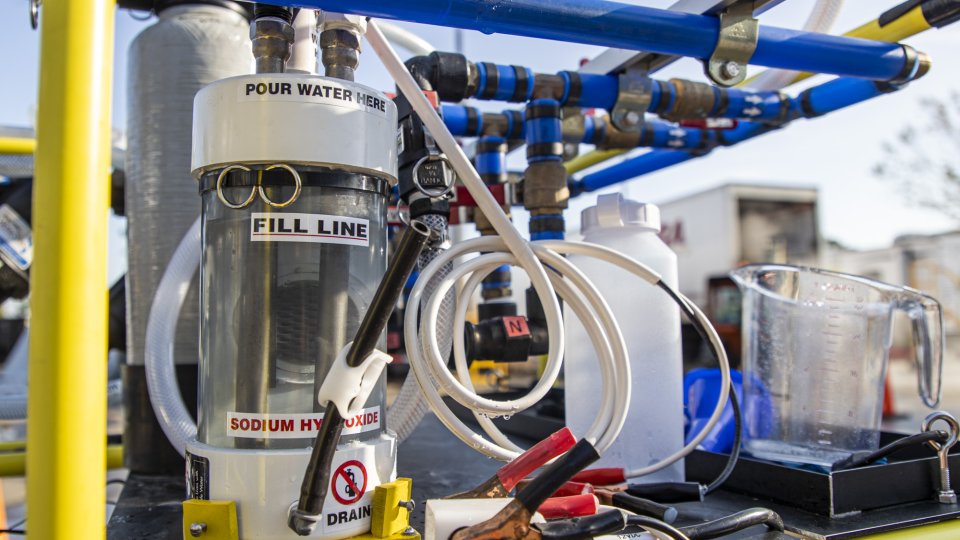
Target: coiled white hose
[821, 19]
[564, 279]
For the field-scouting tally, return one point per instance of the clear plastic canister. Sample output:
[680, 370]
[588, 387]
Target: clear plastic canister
[283, 290]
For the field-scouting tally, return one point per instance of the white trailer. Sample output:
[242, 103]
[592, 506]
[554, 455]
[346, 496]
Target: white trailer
[719, 229]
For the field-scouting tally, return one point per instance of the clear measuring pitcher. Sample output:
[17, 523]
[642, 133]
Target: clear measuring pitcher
[815, 349]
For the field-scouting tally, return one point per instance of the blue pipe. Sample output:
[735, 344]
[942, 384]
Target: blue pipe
[823, 99]
[614, 24]
[491, 164]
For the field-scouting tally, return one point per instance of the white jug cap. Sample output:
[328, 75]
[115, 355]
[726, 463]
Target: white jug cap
[613, 211]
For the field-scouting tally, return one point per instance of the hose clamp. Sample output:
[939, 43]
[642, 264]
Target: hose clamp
[736, 43]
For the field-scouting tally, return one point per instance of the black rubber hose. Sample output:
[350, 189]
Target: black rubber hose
[583, 527]
[859, 459]
[316, 479]
[735, 522]
[557, 474]
[648, 522]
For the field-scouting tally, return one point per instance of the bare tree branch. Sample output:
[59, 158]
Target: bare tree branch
[924, 159]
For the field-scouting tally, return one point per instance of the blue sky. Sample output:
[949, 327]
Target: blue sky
[834, 153]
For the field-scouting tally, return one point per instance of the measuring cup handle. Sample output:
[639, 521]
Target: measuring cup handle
[926, 317]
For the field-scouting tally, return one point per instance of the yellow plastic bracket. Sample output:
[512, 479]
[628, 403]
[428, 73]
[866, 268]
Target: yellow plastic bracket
[388, 519]
[217, 519]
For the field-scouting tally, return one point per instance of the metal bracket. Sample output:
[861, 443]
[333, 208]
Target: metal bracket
[212, 520]
[736, 44]
[633, 100]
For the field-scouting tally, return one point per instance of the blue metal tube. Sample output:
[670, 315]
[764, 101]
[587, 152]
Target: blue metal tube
[491, 164]
[631, 168]
[823, 99]
[613, 24]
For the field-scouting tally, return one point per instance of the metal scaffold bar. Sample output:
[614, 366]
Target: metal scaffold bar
[613, 24]
[66, 465]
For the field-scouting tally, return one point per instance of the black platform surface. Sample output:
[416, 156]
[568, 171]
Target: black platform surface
[149, 507]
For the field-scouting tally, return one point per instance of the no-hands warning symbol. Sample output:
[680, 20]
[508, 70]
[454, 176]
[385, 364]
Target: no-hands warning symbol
[349, 482]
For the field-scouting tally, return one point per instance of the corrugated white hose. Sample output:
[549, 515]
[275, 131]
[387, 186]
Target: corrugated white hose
[821, 19]
[429, 366]
[410, 407]
[168, 405]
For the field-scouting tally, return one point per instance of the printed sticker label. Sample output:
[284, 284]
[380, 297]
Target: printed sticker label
[295, 425]
[311, 91]
[16, 238]
[315, 228]
[198, 477]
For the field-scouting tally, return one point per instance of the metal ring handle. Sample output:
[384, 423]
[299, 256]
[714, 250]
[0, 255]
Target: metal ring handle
[950, 420]
[221, 176]
[297, 186]
[416, 177]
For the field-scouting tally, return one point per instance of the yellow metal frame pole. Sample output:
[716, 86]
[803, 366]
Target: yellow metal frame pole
[66, 412]
[16, 145]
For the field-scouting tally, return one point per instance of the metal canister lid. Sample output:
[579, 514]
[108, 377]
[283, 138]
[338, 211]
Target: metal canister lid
[612, 211]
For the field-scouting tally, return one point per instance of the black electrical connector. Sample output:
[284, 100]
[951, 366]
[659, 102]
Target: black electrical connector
[668, 492]
[505, 339]
[644, 507]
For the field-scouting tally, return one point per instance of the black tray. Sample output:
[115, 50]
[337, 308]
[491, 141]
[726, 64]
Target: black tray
[911, 475]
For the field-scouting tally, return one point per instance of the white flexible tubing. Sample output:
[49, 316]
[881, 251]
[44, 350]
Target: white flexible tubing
[406, 39]
[172, 413]
[430, 388]
[821, 19]
[487, 204]
[598, 339]
[516, 245]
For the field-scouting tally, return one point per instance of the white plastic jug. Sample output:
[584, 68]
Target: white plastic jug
[650, 323]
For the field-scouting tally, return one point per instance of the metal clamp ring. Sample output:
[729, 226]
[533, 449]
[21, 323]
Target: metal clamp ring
[432, 192]
[403, 216]
[220, 178]
[297, 186]
[950, 420]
